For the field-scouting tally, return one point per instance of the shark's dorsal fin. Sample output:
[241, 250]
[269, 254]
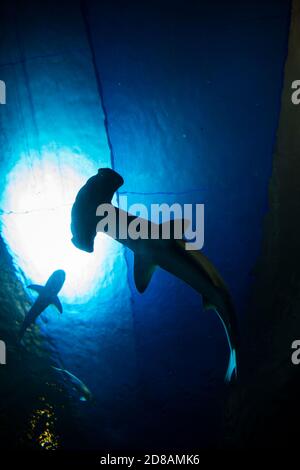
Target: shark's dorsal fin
[36, 288]
[173, 227]
[56, 302]
[143, 270]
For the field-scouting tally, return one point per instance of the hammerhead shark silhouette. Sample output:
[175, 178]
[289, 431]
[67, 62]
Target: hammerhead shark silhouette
[192, 267]
[47, 296]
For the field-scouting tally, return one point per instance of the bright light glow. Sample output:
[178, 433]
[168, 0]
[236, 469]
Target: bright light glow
[36, 223]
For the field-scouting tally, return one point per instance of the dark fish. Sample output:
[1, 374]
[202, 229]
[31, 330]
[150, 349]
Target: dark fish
[47, 296]
[192, 267]
[77, 384]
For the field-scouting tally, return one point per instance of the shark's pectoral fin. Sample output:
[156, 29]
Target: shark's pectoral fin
[57, 304]
[143, 270]
[36, 288]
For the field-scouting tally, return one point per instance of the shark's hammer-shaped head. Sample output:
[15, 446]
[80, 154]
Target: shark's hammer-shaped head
[99, 189]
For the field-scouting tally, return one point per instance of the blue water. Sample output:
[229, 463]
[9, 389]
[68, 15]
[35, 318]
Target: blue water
[191, 98]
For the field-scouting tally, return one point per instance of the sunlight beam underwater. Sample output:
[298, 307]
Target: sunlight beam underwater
[36, 223]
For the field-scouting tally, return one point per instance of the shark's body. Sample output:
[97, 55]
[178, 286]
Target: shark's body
[192, 267]
[78, 386]
[47, 296]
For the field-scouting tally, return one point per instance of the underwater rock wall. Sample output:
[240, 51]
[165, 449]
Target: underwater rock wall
[34, 407]
[265, 407]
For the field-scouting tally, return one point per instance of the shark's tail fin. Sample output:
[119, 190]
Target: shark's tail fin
[231, 374]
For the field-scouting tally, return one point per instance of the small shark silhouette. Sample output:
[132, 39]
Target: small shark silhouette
[77, 384]
[47, 296]
[192, 267]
